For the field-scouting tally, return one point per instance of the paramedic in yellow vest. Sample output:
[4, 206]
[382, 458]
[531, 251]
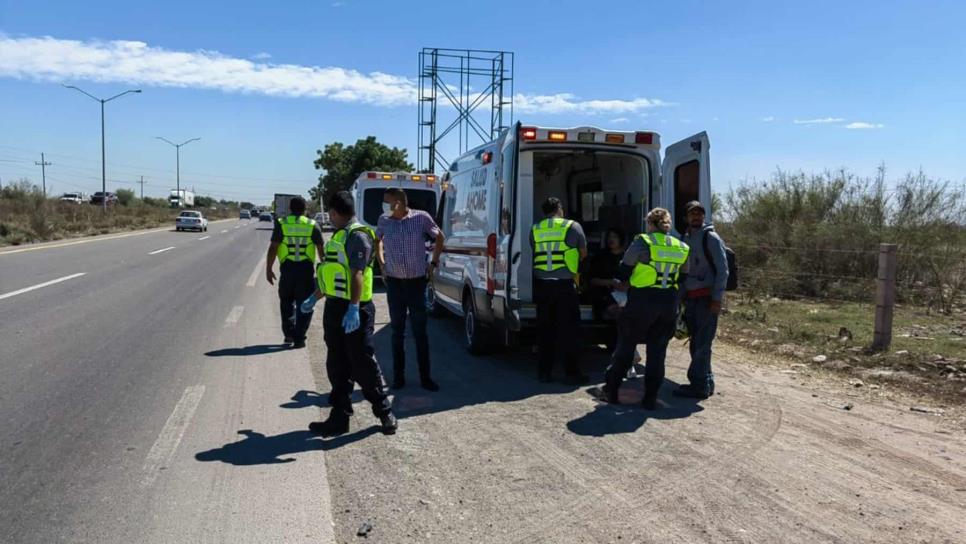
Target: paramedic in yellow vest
[296, 240]
[651, 271]
[558, 246]
[348, 320]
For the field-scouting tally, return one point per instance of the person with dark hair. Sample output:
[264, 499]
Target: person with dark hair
[294, 242]
[604, 269]
[402, 233]
[348, 320]
[558, 246]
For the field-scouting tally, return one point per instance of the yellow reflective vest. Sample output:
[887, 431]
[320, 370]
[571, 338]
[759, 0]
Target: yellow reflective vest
[297, 244]
[550, 249]
[334, 275]
[667, 255]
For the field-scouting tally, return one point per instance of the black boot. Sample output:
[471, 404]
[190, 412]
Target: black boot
[389, 424]
[337, 423]
[608, 393]
[692, 392]
[650, 398]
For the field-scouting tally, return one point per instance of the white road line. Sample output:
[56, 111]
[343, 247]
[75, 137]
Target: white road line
[238, 227]
[254, 277]
[39, 285]
[204, 237]
[167, 443]
[234, 315]
[161, 250]
[224, 231]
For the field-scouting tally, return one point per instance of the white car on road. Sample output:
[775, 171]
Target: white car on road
[191, 220]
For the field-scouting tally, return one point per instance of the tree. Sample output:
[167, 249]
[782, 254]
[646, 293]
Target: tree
[343, 164]
[125, 197]
[204, 201]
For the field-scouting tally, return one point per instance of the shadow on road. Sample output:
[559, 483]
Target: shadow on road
[258, 449]
[260, 349]
[629, 416]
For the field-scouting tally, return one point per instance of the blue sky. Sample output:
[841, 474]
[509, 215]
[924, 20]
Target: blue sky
[774, 84]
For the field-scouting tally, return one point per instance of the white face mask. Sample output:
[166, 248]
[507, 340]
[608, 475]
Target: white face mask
[386, 208]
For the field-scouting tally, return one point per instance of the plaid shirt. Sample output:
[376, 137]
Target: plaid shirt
[404, 243]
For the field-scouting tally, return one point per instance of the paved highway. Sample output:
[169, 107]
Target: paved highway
[124, 358]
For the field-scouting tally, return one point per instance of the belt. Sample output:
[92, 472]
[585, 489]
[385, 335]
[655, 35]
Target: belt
[700, 293]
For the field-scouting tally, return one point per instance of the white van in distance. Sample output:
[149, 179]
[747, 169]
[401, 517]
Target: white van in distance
[422, 192]
[492, 196]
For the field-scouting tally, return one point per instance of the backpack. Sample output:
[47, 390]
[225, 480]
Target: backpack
[730, 259]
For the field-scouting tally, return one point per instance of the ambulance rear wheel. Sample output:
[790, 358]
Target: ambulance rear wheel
[475, 334]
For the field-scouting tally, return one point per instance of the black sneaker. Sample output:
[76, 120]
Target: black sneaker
[299, 344]
[333, 426]
[691, 392]
[429, 385]
[389, 424]
[576, 379]
[288, 340]
[398, 381]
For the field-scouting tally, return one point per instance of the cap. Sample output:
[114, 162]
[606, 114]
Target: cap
[692, 205]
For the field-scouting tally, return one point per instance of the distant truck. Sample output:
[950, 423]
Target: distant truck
[280, 204]
[181, 199]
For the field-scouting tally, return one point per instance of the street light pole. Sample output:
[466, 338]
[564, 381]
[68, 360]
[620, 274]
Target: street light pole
[177, 158]
[103, 147]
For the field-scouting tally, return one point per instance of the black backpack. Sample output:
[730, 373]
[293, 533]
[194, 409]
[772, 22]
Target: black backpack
[729, 257]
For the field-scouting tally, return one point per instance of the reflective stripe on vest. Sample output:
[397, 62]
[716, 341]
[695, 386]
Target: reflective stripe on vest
[297, 244]
[667, 255]
[550, 249]
[334, 275]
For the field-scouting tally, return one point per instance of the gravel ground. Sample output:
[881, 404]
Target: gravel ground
[780, 454]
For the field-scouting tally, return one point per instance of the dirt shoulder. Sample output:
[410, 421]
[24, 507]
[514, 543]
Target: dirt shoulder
[774, 457]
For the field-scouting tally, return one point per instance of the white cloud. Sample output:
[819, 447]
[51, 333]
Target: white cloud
[132, 62]
[768, 119]
[337, 4]
[568, 103]
[261, 56]
[137, 63]
[619, 120]
[863, 125]
[819, 121]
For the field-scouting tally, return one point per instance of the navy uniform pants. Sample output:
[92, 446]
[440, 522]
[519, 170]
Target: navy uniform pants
[351, 358]
[649, 317]
[295, 283]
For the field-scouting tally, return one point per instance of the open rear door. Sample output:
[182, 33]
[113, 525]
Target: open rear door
[686, 176]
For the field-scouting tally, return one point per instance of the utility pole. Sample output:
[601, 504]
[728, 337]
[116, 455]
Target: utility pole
[177, 158]
[142, 187]
[43, 171]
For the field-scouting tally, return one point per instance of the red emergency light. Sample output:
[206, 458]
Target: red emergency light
[646, 138]
[528, 133]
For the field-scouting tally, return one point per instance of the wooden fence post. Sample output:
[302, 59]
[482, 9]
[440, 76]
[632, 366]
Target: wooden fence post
[885, 297]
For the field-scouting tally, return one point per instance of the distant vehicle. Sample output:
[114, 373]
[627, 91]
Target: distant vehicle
[181, 199]
[265, 216]
[422, 192]
[98, 198]
[492, 195]
[322, 219]
[191, 220]
[73, 198]
[244, 214]
[280, 204]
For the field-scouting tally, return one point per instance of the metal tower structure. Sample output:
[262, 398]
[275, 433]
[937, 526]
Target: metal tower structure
[458, 88]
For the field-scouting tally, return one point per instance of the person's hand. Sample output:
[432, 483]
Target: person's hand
[623, 286]
[309, 304]
[270, 276]
[351, 322]
[615, 284]
[715, 307]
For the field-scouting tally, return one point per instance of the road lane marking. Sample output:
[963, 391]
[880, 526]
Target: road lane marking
[254, 277]
[161, 250]
[40, 285]
[167, 443]
[234, 315]
[204, 237]
[238, 227]
[97, 238]
[224, 231]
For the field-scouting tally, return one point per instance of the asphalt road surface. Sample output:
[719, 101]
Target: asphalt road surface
[145, 398]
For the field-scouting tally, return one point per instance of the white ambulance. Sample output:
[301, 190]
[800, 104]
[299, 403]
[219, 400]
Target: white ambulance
[492, 195]
[422, 192]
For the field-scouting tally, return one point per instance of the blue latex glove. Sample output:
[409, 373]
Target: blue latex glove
[351, 322]
[308, 304]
